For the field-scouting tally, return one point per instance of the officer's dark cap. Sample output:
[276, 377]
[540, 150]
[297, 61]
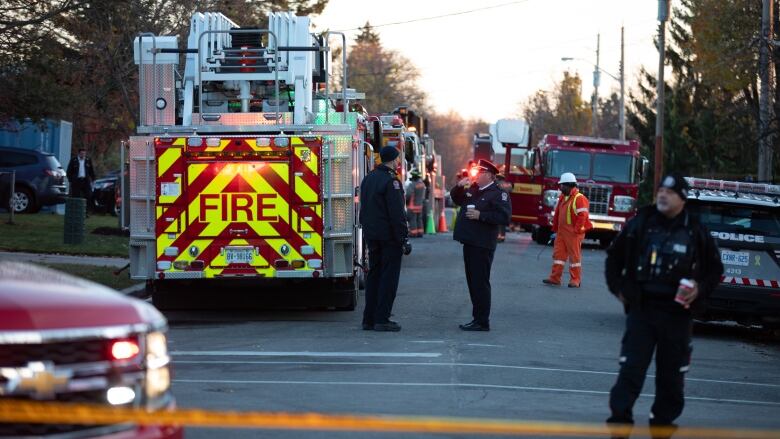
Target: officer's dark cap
[676, 182]
[486, 166]
[388, 153]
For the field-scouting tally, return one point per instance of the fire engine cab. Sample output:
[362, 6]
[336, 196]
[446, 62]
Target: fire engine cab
[608, 173]
[245, 165]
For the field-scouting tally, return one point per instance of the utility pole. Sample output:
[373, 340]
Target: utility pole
[764, 100]
[596, 80]
[622, 116]
[663, 15]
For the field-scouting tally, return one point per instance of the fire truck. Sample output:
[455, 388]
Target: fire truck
[608, 173]
[246, 168]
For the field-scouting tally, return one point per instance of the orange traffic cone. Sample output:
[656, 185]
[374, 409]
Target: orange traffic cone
[443, 222]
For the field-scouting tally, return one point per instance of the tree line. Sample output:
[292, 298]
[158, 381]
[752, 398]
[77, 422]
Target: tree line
[711, 111]
[73, 59]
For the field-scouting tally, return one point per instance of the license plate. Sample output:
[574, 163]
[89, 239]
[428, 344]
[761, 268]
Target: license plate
[729, 257]
[239, 255]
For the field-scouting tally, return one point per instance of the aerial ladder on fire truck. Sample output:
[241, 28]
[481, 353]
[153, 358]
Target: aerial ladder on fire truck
[243, 168]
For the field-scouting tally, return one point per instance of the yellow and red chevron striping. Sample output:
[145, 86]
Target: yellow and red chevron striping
[251, 202]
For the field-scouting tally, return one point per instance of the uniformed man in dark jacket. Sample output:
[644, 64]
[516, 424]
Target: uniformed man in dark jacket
[386, 232]
[662, 266]
[483, 208]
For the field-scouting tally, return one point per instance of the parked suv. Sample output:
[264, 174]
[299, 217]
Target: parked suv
[68, 340]
[40, 179]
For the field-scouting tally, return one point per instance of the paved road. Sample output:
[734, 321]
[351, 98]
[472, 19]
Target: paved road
[551, 354]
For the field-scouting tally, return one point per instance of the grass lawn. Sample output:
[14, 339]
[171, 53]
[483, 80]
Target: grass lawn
[101, 275]
[43, 233]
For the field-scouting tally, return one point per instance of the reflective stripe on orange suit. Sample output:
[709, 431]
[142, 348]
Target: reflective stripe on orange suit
[570, 223]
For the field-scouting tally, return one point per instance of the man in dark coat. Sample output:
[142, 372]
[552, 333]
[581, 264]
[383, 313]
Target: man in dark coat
[483, 208]
[386, 232]
[81, 174]
[662, 267]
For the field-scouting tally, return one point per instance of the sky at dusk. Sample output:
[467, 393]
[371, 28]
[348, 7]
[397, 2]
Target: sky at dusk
[483, 64]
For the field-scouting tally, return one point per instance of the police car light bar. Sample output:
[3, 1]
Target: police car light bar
[733, 186]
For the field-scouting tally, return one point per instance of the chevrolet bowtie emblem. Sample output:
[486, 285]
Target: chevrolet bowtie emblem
[40, 380]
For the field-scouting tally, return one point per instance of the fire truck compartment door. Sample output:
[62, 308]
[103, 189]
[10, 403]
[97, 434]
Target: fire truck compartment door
[237, 201]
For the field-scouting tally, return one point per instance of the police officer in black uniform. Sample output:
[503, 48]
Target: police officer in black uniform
[383, 217]
[662, 266]
[483, 208]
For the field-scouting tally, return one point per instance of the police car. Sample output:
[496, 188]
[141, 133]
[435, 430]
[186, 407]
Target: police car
[744, 219]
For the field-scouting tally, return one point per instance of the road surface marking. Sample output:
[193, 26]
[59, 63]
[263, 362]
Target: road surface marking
[465, 385]
[485, 345]
[304, 354]
[497, 366]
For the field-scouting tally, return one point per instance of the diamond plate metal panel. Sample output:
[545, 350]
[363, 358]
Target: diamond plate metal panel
[343, 213]
[140, 222]
[338, 177]
[334, 118]
[142, 167]
[158, 83]
[339, 257]
[142, 255]
[232, 119]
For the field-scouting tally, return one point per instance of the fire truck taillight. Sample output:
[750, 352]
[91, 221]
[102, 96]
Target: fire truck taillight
[213, 141]
[298, 263]
[194, 142]
[281, 263]
[282, 141]
[197, 265]
[124, 350]
[263, 141]
[315, 263]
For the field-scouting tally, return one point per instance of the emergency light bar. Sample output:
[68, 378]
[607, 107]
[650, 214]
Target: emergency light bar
[585, 139]
[733, 186]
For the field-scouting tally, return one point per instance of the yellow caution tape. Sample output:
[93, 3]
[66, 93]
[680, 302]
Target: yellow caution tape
[60, 413]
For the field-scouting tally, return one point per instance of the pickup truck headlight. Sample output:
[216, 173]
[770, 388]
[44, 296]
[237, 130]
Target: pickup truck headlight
[550, 198]
[158, 377]
[624, 203]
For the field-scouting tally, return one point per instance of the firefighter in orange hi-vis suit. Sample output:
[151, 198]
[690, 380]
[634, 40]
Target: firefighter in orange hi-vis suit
[570, 223]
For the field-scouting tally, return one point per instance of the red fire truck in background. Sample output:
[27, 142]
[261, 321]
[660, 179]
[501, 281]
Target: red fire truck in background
[608, 172]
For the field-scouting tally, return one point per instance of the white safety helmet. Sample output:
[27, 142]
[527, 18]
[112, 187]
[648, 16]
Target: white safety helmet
[567, 177]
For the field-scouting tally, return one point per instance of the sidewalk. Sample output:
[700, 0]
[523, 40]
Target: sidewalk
[100, 261]
[138, 290]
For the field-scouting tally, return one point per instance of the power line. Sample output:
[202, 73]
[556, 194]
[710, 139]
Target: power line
[441, 16]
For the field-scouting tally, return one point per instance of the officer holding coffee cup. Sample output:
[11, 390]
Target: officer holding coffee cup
[484, 208]
[662, 266]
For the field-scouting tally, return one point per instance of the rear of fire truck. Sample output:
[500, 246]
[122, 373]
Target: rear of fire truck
[243, 169]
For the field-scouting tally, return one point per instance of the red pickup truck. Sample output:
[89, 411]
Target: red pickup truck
[65, 339]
